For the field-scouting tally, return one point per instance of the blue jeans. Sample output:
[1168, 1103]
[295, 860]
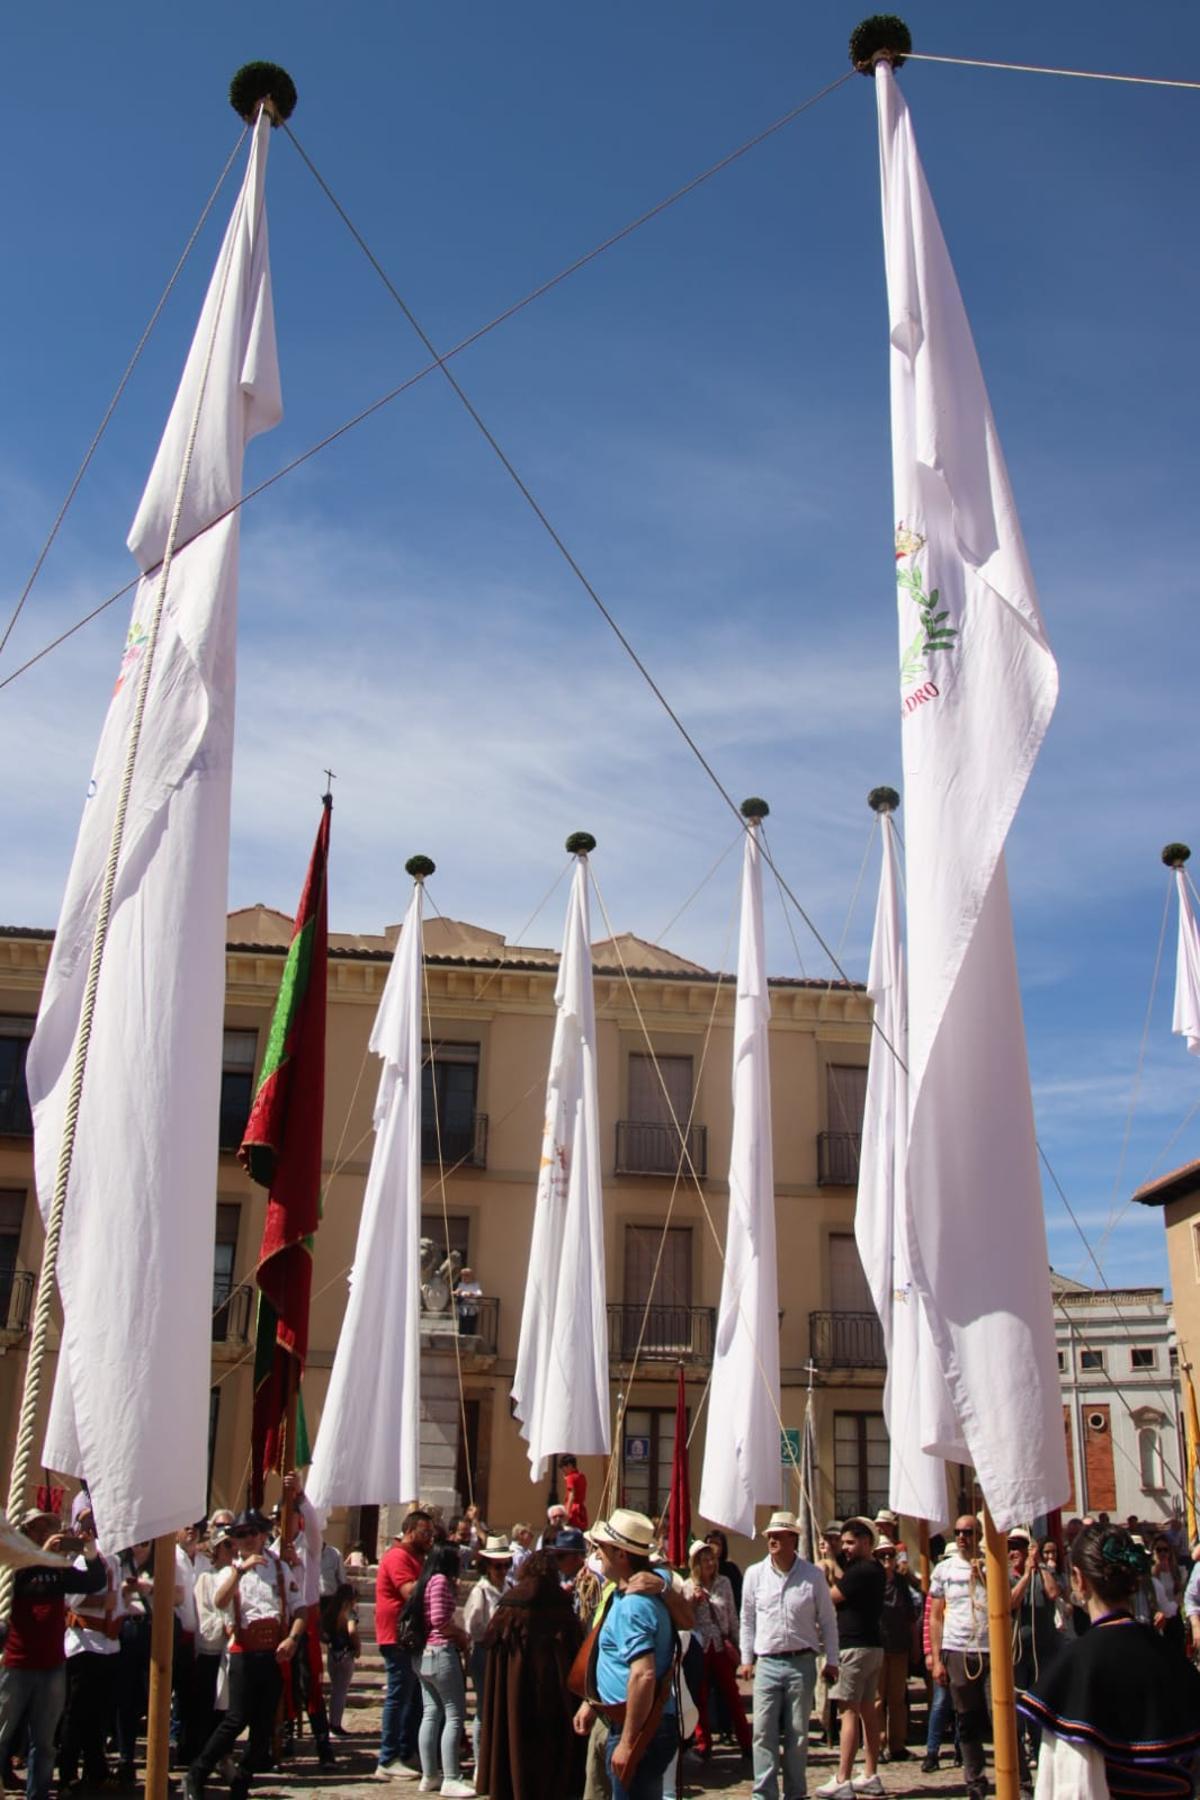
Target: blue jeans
[783, 1700]
[444, 1704]
[401, 1683]
[648, 1776]
[38, 1697]
[941, 1719]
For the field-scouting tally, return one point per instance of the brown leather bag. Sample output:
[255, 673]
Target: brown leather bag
[582, 1681]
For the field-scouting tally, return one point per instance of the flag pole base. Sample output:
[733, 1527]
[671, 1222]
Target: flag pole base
[1004, 1710]
[162, 1636]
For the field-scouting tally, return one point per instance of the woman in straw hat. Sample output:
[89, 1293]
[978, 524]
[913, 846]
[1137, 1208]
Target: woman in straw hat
[495, 1560]
[716, 1632]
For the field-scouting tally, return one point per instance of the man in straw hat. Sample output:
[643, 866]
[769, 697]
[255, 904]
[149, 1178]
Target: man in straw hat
[786, 1612]
[629, 1669]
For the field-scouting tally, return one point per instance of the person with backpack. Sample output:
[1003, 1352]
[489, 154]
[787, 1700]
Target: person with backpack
[398, 1574]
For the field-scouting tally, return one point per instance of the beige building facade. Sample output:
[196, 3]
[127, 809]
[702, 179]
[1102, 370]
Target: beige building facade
[664, 1039]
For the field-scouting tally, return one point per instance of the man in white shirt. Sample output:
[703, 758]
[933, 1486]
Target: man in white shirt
[958, 1643]
[786, 1612]
[268, 1629]
[302, 1682]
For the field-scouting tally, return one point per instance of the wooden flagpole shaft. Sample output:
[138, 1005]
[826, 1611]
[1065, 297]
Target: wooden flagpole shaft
[1004, 1710]
[162, 1639]
[287, 1451]
[923, 1561]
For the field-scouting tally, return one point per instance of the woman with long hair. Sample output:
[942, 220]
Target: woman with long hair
[443, 1692]
[1119, 1710]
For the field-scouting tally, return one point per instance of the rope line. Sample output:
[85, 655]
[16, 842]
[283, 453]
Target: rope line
[683, 1160]
[47, 1274]
[440, 361]
[111, 408]
[696, 891]
[474, 337]
[977, 62]
[700, 1194]
[1136, 1089]
[437, 1131]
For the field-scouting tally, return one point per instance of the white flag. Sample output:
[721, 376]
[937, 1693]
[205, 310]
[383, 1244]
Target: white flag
[916, 1405]
[1187, 971]
[742, 1460]
[368, 1445]
[560, 1389]
[978, 685]
[131, 1399]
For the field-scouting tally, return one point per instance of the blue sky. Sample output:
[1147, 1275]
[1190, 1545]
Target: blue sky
[703, 414]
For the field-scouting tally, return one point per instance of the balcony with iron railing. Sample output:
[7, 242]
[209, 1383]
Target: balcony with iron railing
[478, 1327]
[644, 1148]
[846, 1340]
[837, 1158]
[666, 1333]
[455, 1146]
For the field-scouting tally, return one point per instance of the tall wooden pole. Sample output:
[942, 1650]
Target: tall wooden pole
[1004, 1709]
[923, 1559]
[162, 1638]
[287, 1450]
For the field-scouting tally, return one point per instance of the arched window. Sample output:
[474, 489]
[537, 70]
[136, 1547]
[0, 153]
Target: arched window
[1150, 1457]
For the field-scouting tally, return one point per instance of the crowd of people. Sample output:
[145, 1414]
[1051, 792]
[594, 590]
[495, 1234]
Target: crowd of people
[264, 1634]
[592, 1664]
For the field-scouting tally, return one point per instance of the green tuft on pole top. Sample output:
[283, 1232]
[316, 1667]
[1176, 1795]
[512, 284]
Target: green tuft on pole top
[1175, 855]
[883, 800]
[262, 83]
[419, 867]
[581, 843]
[883, 35]
[754, 809]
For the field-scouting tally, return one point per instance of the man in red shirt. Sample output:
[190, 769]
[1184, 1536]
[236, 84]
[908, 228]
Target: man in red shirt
[33, 1683]
[399, 1570]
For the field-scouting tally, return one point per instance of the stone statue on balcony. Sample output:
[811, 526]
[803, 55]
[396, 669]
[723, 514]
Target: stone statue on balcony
[438, 1278]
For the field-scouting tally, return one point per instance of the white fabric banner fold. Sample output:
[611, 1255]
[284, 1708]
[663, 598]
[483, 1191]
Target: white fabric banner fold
[560, 1388]
[131, 1399]
[916, 1404]
[978, 686]
[742, 1457]
[1186, 1020]
[367, 1451]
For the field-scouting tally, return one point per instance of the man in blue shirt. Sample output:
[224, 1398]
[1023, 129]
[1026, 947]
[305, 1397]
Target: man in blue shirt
[632, 1663]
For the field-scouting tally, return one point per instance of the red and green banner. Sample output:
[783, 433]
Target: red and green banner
[281, 1149]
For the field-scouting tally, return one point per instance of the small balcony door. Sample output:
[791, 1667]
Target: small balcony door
[669, 1327]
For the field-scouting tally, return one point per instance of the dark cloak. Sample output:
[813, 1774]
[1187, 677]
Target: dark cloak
[1128, 1694]
[528, 1749]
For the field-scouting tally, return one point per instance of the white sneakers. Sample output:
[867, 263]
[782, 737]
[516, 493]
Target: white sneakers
[869, 1785]
[460, 1790]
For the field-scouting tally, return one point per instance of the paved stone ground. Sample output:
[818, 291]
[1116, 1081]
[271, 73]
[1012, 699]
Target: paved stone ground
[726, 1774]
